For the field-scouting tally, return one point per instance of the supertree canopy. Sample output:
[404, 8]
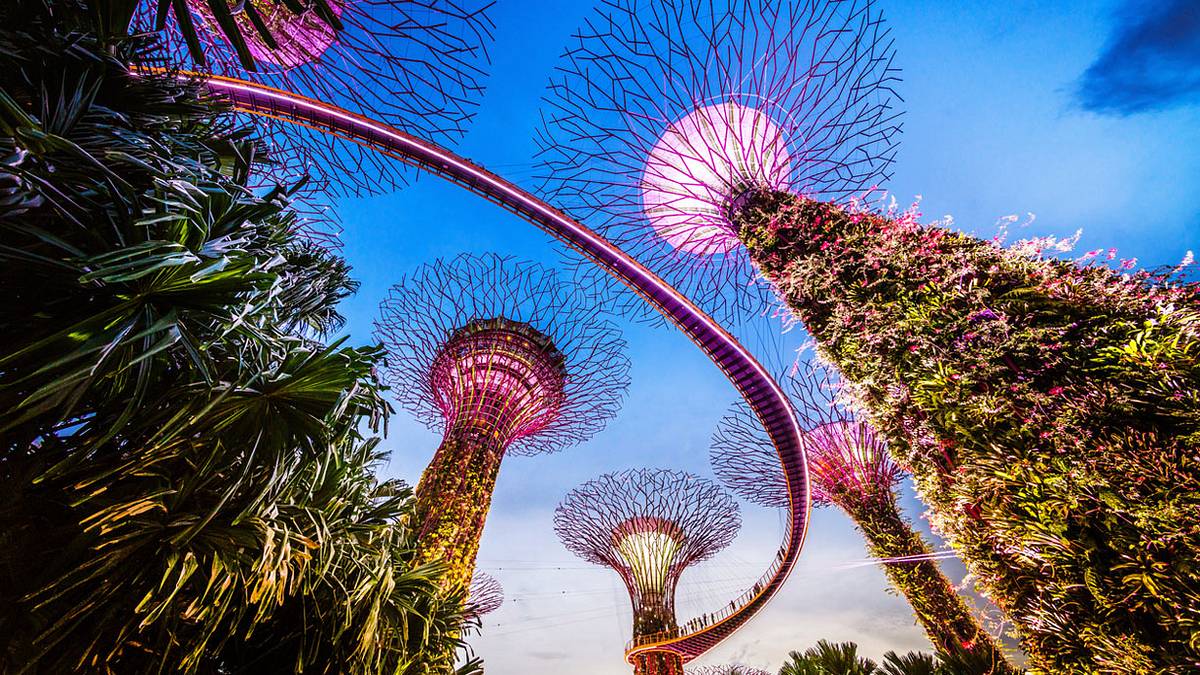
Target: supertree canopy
[486, 595]
[850, 467]
[665, 115]
[415, 64]
[501, 357]
[649, 525]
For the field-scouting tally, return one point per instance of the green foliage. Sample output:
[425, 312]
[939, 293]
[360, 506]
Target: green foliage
[843, 659]
[937, 605]
[1049, 412]
[185, 483]
[828, 658]
[912, 663]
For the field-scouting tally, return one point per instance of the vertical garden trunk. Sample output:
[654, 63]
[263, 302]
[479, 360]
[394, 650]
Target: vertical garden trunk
[1048, 411]
[453, 499]
[939, 608]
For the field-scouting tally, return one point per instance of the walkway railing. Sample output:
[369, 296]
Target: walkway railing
[706, 621]
[752, 381]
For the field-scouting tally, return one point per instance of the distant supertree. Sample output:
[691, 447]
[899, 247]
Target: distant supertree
[726, 669]
[666, 114]
[486, 595]
[502, 357]
[850, 467]
[415, 64]
[649, 525]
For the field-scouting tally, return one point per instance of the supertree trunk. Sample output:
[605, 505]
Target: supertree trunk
[657, 663]
[453, 499]
[939, 608]
[1048, 412]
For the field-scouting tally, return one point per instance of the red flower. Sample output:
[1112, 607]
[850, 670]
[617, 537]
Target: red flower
[1056, 391]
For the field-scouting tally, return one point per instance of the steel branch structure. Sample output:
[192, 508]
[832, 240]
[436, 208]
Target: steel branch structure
[665, 113]
[648, 525]
[501, 357]
[504, 347]
[416, 64]
[727, 669]
[851, 468]
[846, 459]
[486, 595]
[743, 458]
[746, 374]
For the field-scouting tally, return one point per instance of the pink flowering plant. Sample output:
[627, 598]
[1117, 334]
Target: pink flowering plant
[1047, 408]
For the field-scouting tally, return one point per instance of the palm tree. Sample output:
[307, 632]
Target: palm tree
[184, 470]
[843, 659]
[912, 663]
[828, 658]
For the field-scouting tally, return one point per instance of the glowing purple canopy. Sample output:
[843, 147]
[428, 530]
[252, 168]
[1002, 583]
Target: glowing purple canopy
[664, 112]
[503, 347]
[418, 65]
[701, 165]
[845, 455]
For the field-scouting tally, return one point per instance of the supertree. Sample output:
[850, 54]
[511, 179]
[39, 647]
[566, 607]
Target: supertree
[665, 116]
[649, 525]
[1005, 379]
[415, 64]
[850, 468]
[501, 357]
[486, 595]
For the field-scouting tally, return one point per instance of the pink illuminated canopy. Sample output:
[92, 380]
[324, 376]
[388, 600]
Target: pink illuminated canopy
[300, 38]
[498, 377]
[699, 168]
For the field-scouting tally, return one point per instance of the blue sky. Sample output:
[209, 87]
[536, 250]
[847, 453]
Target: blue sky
[1081, 112]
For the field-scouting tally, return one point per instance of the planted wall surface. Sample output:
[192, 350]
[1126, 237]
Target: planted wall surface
[1048, 411]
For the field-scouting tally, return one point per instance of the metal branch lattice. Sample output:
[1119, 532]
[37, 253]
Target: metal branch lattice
[726, 669]
[506, 347]
[845, 455]
[663, 115]
[416, 64]
[486, 595]
[648, 525]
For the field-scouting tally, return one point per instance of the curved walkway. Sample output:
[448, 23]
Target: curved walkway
[752, 381]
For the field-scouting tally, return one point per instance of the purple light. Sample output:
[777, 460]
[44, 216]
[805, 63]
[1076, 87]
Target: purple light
[700, 166]
[503, 350]
[662, 116]
[417, 65]
[300, 38]
[500, 377]
[846, 456]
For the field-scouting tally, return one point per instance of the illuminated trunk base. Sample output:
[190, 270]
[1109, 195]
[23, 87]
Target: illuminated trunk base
[657, 663]
[453, 499]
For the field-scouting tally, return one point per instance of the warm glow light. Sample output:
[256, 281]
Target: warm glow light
[649, 555]
[702, 165]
